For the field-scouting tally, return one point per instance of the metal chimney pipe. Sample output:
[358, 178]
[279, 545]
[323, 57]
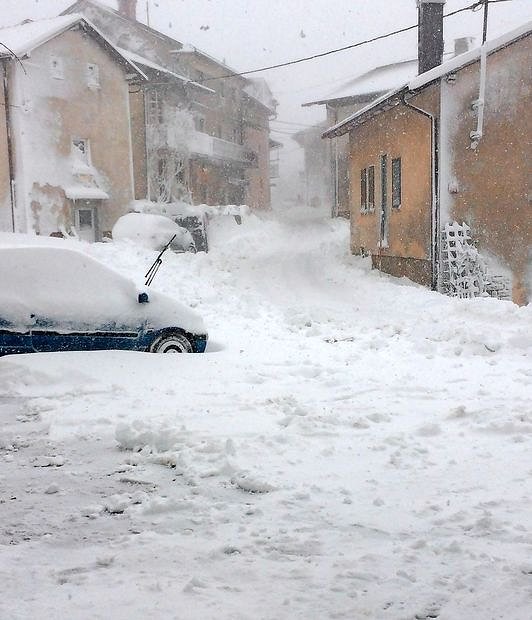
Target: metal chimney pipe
[128, 8]
[430, 34]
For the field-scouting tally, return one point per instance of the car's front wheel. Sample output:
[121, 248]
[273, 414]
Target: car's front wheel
[171, 343]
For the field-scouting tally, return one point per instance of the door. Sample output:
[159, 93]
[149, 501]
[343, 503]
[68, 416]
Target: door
[48, 335]
[383, 237]
[86, 220]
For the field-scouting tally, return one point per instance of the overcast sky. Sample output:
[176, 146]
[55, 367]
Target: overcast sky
[254, 33]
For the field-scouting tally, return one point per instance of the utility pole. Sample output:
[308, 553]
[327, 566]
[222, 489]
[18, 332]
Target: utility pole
[148, 13]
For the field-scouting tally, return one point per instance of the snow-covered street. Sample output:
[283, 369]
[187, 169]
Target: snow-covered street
[350, 446]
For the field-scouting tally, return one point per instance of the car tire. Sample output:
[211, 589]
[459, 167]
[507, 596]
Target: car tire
[173, 342]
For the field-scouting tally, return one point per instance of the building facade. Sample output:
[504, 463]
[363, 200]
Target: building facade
[317, 167]
[205, 127]
[448, 150]
[65, 139]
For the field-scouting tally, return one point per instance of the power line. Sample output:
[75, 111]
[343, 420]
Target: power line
[274, 120]
[283, 133]
[471, 7]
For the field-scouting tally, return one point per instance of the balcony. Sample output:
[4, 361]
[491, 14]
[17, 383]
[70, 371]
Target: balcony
[198, 143]
[222, 150]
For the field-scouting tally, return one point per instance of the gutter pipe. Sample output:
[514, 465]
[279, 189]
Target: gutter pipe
[9, 144]
[435, 192]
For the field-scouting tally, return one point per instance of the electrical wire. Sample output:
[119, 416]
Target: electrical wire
[471, 7]
[290, 123]
[13, 55]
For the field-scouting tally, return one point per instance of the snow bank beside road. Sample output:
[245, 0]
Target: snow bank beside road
[356, 446]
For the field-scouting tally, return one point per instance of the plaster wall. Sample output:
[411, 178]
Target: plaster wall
[488, 187]
[138, 143]
[397, 132]
[50, 113]
[6, 223]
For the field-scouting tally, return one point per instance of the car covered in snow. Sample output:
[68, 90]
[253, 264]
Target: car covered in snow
[153, 232]
[60, 299]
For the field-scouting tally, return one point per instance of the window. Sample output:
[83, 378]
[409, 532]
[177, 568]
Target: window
[93, 76]
[396, 183]
[199, 122]
[371, 188]
[180, 172]
[155, 108]
[363, 190]
[237, 135]
[367, 190]
[80, 149]
[384, 181]
[57, 69]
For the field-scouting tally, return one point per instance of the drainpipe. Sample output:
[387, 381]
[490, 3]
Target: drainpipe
[435, 192]
[9, 145]
[335, 186]
[146, 93]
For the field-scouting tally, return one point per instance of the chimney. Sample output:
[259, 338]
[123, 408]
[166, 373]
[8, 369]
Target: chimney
[430, 34]
[128, 8]
[463, 45]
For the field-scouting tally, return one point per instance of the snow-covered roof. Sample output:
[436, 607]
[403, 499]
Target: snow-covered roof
[137, 59]
[259, 90]
[23, 38]
[378, 80]
[426, 78]
[187, 48]
[469, 57]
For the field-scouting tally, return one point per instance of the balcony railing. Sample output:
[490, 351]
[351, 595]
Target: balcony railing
[199, 143]
[216, 148]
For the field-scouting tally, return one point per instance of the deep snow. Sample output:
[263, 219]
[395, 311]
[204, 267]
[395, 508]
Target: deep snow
[351, 446]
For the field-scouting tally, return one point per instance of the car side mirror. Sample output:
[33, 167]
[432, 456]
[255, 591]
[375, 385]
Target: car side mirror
[143, 298]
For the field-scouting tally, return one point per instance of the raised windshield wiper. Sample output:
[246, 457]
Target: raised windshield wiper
[152, 271]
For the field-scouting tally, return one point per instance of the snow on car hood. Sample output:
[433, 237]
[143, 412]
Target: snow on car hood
[73, 291]
[163, 311]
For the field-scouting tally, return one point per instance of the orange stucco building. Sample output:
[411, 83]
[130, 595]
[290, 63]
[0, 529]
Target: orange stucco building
[452, 145]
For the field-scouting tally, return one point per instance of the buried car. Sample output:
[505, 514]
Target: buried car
[153, 231]
[59, 299]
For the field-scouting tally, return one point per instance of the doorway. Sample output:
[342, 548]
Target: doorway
[86, 220]
[383, 237]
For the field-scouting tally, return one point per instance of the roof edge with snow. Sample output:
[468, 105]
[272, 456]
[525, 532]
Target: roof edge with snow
[136, 60]
[394, 97]
[57, 26]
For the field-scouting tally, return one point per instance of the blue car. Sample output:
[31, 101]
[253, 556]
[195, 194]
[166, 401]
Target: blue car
[59, 299]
